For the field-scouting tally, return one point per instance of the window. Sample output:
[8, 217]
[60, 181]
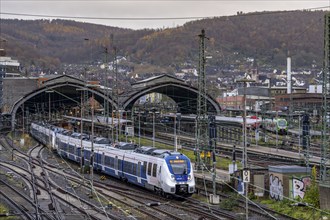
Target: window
[134, 169]
[144, 167]
[107, 161]
[149, 168]
[179, 166]
[118, 165]
[154, 170]
[127, 167]
[111, 162]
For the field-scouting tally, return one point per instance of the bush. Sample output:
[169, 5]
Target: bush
[229, 203]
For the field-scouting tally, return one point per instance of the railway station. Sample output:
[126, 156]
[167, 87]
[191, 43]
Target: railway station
[163, 147]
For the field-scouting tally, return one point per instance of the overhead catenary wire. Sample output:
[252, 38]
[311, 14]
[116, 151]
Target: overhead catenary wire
[154, 18]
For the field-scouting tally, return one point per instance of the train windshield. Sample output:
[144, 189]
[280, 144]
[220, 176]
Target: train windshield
[281, 123]
[179, 166]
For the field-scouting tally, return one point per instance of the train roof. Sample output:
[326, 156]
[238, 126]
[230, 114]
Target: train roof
[125, 146]
[152, 151]
[220, 119]
[99, 119]
[236, 119]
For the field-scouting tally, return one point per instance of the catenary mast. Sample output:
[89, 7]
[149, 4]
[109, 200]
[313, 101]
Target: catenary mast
[202, 118]
[324, 179]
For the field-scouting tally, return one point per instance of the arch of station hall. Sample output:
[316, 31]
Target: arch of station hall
[182, 93]
[55, 93]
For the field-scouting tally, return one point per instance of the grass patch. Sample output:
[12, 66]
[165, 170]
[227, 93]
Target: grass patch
[230, 203]
[200, 198]
[4, 210]
[299, 212]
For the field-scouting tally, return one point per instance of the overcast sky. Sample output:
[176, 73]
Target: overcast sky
[137, 14]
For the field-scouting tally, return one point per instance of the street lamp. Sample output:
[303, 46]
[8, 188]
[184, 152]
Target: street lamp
[153, 111]
[92, 139]
[49, 115]
[176, 117]
[139, 128]
[175, 137]
[81, 129]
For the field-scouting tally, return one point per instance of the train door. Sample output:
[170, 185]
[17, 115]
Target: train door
[116, 165]
[102, 162]
[159, 176]
[53, 140]
[138, 174]
[153, 178]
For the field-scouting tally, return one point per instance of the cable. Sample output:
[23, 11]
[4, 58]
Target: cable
[152, 0]
[151, 18]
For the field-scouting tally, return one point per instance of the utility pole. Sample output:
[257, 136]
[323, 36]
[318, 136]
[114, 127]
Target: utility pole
[245, 159]
[106, 103]
[325, 145]
[92, 140]
[92, 147]
[117, 93]
[82, 98]
[202, 118]
[49, 104]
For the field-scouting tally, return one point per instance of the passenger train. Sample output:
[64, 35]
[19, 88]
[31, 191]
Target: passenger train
[252, 122]
[163, 171]
[276, 125]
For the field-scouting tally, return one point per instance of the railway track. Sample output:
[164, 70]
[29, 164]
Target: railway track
[133, 204]
[146, 202]
[126, 202]
[226, 151]
[46, 194]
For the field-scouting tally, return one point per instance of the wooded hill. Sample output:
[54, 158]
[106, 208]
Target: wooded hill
[267, 36]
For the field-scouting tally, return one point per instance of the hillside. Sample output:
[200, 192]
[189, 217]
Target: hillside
[267, 36]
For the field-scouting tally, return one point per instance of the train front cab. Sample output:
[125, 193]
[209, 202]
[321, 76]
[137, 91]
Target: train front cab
[177, 177]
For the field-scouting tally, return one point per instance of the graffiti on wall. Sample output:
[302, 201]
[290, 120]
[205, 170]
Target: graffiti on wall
[299, 186]
[275, 187]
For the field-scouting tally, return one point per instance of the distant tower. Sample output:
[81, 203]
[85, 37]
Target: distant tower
[255, 71]
[288, 74]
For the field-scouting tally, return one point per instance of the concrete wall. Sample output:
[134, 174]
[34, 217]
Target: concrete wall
[324, 196]
[14, 89]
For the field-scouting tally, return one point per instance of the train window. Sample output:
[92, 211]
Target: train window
[118, 165]
[129, 167]
[107, 161]
[112, 162]
[154, 170]
[144, 168]
[134, 169]
[139, 169]
[160, 169]
[149, 168]
[71, 148]
[179, 166]
[126, 167]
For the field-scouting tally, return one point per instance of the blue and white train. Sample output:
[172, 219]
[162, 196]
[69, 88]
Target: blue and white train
[163, 171]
